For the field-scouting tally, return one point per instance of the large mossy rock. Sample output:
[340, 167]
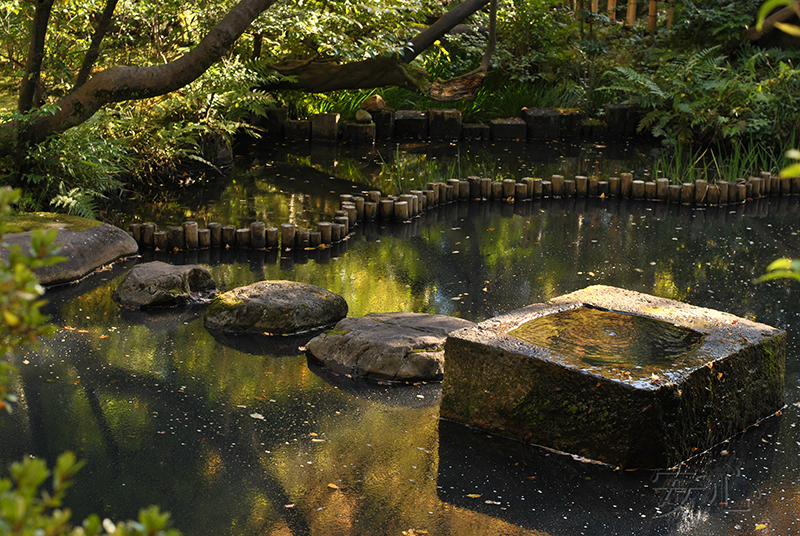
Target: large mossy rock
[388, 346]
[158, 284]
[86, 250]
[275, 307]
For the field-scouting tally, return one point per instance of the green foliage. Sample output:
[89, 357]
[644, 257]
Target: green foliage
[722, 22]
[349, 31]
[781, 269]
[27, 511]
[702, 96]
[20, 293]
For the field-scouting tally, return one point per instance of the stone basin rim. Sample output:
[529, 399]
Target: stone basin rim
[724, 333]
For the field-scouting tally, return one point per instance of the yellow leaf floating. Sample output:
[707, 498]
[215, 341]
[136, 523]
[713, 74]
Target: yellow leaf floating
[761, 526]
[333, 486]
[473, 495]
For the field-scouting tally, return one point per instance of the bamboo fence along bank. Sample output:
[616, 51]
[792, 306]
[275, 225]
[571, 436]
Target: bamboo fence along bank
[403, 208]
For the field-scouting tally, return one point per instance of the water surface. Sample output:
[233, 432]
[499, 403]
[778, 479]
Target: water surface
[241, 436]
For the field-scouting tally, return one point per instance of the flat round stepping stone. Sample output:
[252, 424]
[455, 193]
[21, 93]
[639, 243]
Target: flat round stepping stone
[388, 346]
[158, 284]
[275, 307]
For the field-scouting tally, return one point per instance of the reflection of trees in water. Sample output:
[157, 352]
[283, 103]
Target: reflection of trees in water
[520, 254]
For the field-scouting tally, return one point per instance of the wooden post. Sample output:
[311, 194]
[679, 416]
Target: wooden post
[652, 16]
[612, 10]
[595, 6]
[670, 15]
[631, 13]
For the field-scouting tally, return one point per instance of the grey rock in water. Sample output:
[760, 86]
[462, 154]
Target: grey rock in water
[374, 103]
[85, 250]
[158, 284]
[363, 116]
[389, 346]
[275, 307]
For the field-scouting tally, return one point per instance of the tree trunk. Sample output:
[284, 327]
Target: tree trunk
[33, 66]
[122, 83]
[94, 47]
[321, 76]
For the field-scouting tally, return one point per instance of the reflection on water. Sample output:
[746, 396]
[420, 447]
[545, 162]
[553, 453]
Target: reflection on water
[593, 336]
[241, 437]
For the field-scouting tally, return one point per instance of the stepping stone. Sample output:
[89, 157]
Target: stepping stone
[275, 307]
[158, 284]
[387, 346]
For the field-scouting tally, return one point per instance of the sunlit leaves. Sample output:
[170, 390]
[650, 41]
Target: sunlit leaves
[782, 269]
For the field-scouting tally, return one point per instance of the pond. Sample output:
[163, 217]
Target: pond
[243, 436]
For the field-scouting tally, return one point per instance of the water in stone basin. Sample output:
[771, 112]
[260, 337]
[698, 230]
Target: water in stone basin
[220, 433]
[601, 338]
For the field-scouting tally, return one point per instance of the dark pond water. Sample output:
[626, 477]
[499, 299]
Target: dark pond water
[244, 436]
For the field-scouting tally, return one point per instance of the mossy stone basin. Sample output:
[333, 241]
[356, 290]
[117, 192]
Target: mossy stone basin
[645, 382]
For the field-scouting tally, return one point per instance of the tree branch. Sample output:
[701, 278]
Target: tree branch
[122, 83]
[94, 48]
[446, 22]
[782, 15]
[320, 76]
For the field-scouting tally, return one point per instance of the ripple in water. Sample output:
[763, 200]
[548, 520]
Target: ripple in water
[601, 337]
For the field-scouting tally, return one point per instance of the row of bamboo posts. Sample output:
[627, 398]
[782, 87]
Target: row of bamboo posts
[403, 208]
[630, 18]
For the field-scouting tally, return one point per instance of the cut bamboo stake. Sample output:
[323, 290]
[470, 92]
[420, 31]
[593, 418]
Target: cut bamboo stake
[631, 20]
[652, 16]
[612, 10]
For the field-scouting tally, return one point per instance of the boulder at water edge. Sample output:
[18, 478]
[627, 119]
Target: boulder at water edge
[85, 251]
[275, 307]
[158, 284]
[389, 346]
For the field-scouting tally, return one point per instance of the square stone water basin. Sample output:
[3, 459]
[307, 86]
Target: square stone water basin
[613, 375]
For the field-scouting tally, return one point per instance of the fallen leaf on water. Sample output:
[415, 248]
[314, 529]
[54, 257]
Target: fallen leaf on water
[257, 416]
[313, 434]
[289, 505]
[473, 495]
[531, 477]
[315, 440]
[260, 398]
[333, 486]
[761, 526]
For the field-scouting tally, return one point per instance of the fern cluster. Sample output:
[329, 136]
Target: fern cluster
[704, 96]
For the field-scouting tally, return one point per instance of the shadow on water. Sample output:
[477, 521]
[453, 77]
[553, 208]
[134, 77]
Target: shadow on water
[557, 494]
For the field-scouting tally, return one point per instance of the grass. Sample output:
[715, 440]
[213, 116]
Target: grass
[742, 159]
